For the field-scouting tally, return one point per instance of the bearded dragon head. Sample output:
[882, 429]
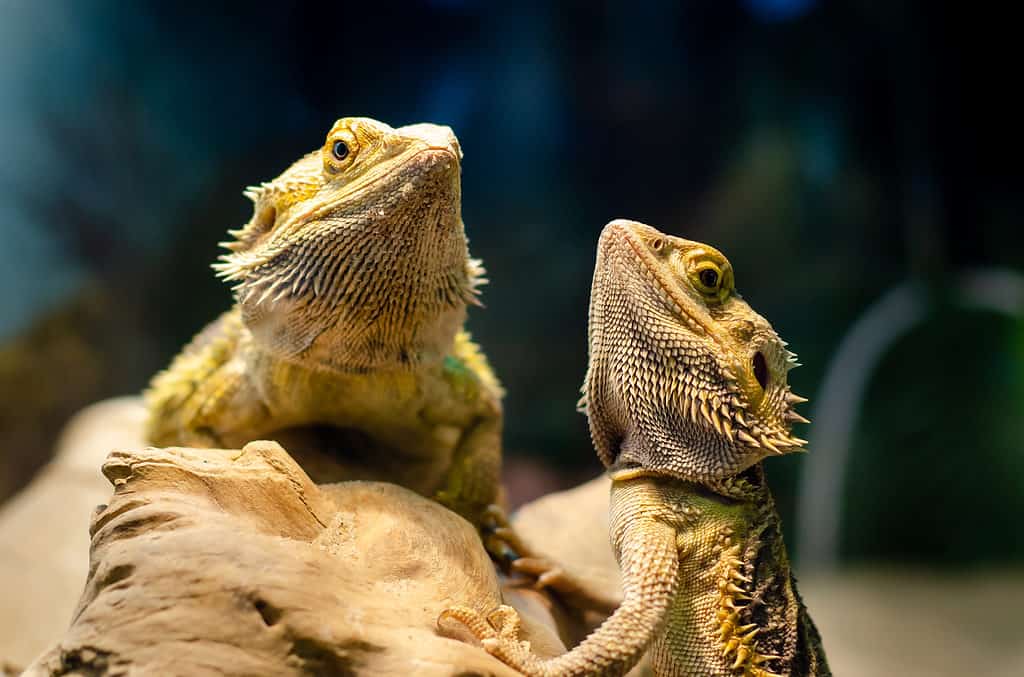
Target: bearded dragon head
[685, 379]
[356, 256]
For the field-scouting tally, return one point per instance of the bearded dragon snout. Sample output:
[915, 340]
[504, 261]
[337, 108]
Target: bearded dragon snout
[622, 227]
[442, 160]
[436, 137]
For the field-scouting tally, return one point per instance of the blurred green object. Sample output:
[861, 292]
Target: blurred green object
[937, 375]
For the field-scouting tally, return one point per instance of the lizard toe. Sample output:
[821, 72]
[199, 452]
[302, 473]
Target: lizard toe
[456, 617]
[505, 620]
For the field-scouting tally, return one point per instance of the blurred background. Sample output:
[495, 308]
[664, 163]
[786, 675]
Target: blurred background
[855, 160]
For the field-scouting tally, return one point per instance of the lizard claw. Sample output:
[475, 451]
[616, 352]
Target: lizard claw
[541, 573]
[499, 626]
[505, 620]
[478, 626]
[497, 633]
[546, 574]
[500, 539]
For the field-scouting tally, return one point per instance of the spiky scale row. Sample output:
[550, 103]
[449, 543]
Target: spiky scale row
[259, 285]
[727, 418]
[738, 641]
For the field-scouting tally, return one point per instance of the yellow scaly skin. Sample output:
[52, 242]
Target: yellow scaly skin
[686, 393]
[351, 282]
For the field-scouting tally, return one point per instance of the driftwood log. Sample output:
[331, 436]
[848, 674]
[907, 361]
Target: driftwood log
[44, 529]
[233, 562]
[202, 595]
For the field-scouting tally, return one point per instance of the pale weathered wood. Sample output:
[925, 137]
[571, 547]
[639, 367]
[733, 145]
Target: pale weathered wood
[44, 529]
[234, 562]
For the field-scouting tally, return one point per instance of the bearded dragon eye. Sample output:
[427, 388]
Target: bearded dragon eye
[709, 278]
[340, 150]
[760, 370]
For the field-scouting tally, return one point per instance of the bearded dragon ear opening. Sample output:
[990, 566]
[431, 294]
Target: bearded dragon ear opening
[760, 370]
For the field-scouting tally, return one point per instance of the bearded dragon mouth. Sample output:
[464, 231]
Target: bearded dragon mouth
[629, 472]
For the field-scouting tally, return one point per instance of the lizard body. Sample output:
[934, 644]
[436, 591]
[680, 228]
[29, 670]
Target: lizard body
[352, 280]
[686, 393]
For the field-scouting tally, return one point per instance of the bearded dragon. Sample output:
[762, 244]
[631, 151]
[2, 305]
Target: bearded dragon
[686, 392]
[351, 281]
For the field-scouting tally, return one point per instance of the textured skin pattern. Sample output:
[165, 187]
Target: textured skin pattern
[352, 280]
[674, 380]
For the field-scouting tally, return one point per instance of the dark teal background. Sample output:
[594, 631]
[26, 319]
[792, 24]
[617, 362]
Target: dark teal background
[833, 150]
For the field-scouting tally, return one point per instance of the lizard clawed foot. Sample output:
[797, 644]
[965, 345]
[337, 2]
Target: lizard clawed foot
[498, 634]
[500, 539]
[545, 574]
[504, 544]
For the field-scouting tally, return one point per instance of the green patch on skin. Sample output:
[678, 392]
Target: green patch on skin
[461, 378]
[455, 366]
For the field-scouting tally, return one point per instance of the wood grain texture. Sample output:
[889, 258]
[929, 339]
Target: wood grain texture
[233, 562]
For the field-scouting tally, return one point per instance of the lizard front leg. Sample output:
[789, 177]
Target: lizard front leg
[649, 561]
[201, 406]
[472, 482]
[472, 490]
[541, 571]
[472, 487]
